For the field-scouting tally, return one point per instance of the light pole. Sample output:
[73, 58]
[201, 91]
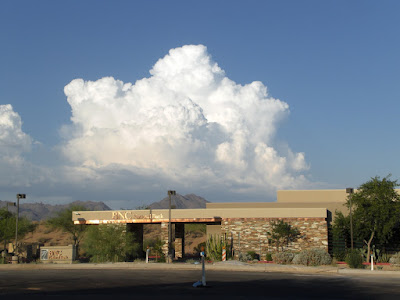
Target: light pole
[19, 196]
[350, 191]
[170, 193]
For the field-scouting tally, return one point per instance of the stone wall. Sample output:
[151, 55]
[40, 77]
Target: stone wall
[178, 238]
[252, 235]
[164, 238]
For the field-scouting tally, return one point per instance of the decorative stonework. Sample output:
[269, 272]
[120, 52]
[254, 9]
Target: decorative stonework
[252, 235]
[178, 233]
[164, 238]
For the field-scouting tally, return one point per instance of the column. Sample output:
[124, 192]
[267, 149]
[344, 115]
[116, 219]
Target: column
[164, 238]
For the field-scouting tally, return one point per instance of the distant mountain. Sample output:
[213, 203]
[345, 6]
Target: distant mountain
[41, 211]
[181, 202]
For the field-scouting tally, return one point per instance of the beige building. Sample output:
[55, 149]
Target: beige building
[245, 224]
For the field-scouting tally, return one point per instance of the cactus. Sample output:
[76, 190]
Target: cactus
[214, 246]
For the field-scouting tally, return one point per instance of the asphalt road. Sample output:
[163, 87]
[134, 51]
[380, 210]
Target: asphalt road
[178, 284]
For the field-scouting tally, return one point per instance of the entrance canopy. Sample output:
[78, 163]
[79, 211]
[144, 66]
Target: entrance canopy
[209, 216]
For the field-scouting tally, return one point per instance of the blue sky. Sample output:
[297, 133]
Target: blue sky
[334, 63]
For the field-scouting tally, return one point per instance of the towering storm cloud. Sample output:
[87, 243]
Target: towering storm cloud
[187, 122]
[15, 171]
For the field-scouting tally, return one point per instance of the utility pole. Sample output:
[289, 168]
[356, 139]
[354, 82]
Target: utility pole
[350, 191]
[19, 196]
[170, 193]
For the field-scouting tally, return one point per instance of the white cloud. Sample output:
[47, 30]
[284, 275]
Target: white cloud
[187, 122]
[13, 141]
[15, 170]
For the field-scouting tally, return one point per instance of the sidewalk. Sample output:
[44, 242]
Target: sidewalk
[218, 266]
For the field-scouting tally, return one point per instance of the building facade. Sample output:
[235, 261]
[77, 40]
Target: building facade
[244, 225]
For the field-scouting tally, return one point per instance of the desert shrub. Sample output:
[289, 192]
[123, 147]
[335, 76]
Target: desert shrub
[268, 257]
[111, 243]
[395, 259]
[253, 255]
[244, 257]
[283, 234]
[339, 254]
[312, 257]
[354, 259]
[383, 258]
[283, 257]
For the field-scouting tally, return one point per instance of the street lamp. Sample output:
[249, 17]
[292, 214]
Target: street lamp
[170, 193]
[19, 196]
[350, 191]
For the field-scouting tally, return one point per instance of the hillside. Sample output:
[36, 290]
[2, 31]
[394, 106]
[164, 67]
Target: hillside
[41, 211]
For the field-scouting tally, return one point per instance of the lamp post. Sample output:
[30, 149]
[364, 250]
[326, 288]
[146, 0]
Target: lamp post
[170, 193]
[19, 196]
[350, 191]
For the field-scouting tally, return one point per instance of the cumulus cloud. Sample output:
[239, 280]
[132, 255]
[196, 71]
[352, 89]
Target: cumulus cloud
[13, 144]
[187, 122]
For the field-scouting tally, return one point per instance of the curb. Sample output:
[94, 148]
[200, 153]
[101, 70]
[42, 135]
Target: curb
[219, 266]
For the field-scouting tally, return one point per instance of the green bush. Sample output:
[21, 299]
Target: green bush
[354, 259]
[384, 258]
[339, 254]
[111, 243]
[395, 259]
[268, 257]
[253, 255]
[244, 257]
[312, 257]
[282, 257]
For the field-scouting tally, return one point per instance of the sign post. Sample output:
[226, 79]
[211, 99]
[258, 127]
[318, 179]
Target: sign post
[372, 262]
[147, 255]
[203, 268]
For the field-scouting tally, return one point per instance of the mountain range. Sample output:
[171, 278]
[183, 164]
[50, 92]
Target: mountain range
[41, 211]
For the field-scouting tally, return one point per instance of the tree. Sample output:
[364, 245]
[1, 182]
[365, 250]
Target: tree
[63, 221]
[376, 207]
[8, 223]
[283, 234]
[110, 242]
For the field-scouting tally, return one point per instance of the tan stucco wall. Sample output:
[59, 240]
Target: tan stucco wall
[213, 230]
[311, 196]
